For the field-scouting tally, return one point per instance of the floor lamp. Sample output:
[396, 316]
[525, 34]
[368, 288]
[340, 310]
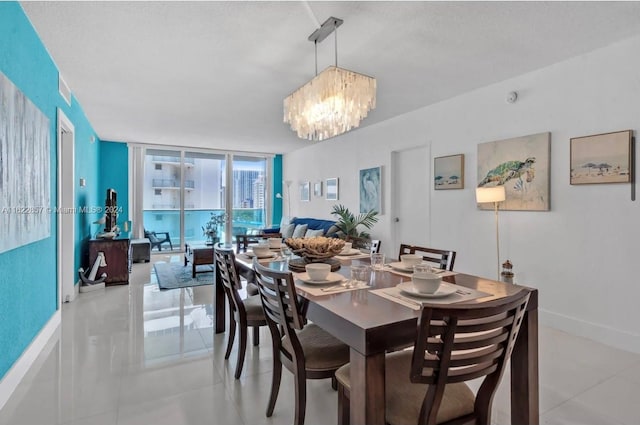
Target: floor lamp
[493, 194]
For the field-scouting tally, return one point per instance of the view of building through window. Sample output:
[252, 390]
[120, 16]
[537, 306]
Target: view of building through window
[195, 188]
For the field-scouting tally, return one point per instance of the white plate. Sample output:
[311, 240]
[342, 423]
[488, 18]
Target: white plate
[252, 254]
[351, 252]
[443, 291]
[401, 267]
[331, 278]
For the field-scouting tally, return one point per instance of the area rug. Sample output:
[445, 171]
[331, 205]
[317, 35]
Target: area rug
[175, 275]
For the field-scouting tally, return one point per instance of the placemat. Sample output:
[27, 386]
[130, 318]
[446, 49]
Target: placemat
[318, 290]
[462, 294]
[442, 273]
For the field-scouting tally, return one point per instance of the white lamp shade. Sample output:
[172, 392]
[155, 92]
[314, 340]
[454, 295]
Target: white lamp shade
[490, 194]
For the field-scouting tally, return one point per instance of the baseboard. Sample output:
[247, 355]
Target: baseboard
[10, 381]
[627, 341]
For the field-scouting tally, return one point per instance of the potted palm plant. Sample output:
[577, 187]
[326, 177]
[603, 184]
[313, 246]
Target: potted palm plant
[210, 229]
[349, 222]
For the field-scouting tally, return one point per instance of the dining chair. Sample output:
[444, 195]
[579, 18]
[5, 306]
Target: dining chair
[375, 246]
[303, 348]
[454, 344]
[242, 312]
[443, 258]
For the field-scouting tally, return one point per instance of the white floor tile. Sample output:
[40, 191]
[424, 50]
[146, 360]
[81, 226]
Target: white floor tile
[617, 398]
[575, 413]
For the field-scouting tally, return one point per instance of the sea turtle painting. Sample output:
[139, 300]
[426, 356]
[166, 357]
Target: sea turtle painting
[510, 170]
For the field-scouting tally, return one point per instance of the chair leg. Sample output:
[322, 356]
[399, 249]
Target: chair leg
[334, 383]
[232, 336]
[275, 383]
[344, 409]
[241, 350]
[301, 397]
[256, 336]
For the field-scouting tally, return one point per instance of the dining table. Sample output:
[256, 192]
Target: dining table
[372, 325]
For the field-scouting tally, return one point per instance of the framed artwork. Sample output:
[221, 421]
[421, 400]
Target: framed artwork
[602, 158]
[305, 190]
[317, 189]
[521, 165]
[370, 190]
[25, 170]
[448, 172]
[331, 191]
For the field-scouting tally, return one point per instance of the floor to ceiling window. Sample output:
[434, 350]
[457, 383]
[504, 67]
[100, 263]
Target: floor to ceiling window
[183, 191]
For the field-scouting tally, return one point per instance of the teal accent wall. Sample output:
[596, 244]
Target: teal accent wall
[28, 287]
[114, 174]
[277, 188]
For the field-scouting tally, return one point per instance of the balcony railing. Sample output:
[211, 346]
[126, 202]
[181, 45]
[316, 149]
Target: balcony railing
[171, 206]
[168, 220]
[172, 183]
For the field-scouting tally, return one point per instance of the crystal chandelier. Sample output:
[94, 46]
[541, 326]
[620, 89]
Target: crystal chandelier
[334, 101]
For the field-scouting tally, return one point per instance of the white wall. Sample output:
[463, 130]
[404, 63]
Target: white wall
[582, 255]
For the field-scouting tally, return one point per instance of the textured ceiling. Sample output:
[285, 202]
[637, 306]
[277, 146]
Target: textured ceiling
[214, 74]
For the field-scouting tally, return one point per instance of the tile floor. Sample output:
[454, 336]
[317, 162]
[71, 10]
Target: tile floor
[133, 355]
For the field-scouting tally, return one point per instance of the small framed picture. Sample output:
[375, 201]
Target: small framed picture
[602, 158]
[448, 172]
[332, 189]
[317, 189]
[305, 190]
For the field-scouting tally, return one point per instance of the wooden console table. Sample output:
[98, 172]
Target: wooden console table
[117, 257]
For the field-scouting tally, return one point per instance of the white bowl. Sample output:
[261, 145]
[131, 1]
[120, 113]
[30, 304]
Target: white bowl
[318, 271]
[426, 283]
[261, 250]
[347, 248]
[410, 260]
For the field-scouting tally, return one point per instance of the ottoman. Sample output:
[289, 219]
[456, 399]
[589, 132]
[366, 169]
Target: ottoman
[140, 250]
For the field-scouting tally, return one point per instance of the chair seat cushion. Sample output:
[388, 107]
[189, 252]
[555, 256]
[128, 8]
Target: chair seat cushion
[252, 289]
[322, 351]
[404, 398]
[253, 307]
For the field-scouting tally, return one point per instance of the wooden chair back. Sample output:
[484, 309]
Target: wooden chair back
[226, 264]
[444, 259]
[243, 242]
[375, 246]
[458, 344]
[282, 308]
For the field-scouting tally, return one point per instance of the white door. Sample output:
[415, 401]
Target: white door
[410, 197]
[66, 213]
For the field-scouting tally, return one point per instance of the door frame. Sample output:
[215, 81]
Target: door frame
[66, 223]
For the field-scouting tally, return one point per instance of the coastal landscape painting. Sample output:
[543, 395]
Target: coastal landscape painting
[448, 172]
[601, 158]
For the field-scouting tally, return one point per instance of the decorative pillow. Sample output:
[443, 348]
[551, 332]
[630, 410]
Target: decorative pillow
[287, 230]
[299, 231]
[313, 233]
[333, 229]
[286, 220]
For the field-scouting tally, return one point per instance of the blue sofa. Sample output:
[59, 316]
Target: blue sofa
[328, 226]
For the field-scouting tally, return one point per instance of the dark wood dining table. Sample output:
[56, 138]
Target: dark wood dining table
[372, 325]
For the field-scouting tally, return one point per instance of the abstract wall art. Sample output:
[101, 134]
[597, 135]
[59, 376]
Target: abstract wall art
[25, 215]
